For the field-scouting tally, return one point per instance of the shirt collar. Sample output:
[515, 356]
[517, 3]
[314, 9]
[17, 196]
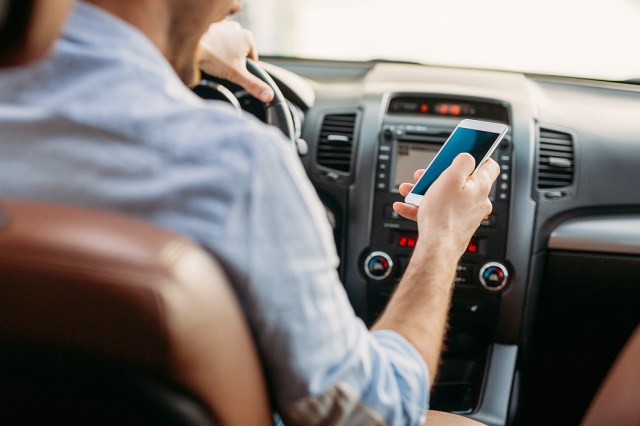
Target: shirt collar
[93, 26]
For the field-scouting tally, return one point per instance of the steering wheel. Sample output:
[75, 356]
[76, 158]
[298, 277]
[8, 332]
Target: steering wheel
[275, 113]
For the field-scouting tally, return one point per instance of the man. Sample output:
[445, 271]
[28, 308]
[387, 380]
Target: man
[28, 28]
[106, 121]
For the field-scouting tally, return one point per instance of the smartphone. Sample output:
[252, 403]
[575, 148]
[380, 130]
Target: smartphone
[478, 138]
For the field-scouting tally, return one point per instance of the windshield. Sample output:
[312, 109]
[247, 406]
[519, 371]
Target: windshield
[580, 38]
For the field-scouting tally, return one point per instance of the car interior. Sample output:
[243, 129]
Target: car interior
[543, 323]
[547, 293]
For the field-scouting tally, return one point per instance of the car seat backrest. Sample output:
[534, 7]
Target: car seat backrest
[116, 294]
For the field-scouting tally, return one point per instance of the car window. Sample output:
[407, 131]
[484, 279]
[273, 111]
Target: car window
[582, 38]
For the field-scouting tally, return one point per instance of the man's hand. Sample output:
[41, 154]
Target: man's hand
[224, 49]
[455, 204]
[449, 214]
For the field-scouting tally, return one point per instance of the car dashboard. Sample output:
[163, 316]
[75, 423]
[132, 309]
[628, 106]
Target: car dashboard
[547, 292]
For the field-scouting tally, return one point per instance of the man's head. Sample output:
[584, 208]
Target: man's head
[187, 27]
[174, 26]
[28, 28]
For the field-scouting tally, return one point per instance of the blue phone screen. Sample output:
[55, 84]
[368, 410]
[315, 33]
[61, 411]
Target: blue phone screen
[475, 142]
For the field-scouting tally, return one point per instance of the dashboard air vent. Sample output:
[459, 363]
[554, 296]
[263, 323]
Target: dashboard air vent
[336, 142]
[555, 160]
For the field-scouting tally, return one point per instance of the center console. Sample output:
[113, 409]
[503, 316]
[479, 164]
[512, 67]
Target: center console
[414, 128]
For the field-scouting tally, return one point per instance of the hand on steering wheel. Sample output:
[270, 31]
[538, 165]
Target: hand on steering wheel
[228, 53]
[276, 112]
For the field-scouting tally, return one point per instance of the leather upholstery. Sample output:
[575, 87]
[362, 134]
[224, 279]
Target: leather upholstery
[114, 288]
[618, 399]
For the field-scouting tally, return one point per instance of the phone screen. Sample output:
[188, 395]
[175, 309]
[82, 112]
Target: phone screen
[475, 142]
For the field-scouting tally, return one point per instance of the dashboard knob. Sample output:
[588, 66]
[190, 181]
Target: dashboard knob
[494, 276]
[388, 134]
[378, 266]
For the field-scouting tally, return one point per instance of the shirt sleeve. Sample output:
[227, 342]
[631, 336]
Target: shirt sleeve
[279, 246]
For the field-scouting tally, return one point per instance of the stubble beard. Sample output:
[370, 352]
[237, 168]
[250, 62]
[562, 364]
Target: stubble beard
[184, 50]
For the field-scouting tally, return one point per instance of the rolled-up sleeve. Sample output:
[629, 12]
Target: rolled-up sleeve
[411, 376]
[380, 381]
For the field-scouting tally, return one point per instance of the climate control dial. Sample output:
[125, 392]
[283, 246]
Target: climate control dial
[378, 266]
[494, 276]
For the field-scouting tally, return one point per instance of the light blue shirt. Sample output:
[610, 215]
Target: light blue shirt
[106, 122]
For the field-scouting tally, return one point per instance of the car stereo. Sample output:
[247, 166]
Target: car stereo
[406, 143]
[403, 149]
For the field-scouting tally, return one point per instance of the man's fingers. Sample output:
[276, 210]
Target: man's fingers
[253, 53]
[252, 84]
[464, 164]
[487, 173]
[406, 210]
[405, 189]
[489, 207]
[459, 170]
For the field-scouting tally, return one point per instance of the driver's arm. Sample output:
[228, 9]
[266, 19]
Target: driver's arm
[224, 49]
[450, 213]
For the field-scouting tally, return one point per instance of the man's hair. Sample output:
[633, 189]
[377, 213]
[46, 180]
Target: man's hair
[15, 16]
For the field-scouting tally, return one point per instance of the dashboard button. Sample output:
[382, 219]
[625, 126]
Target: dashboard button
[378, 266]
[332, 176]
[464, 274]
[494, 276]
[489, 221]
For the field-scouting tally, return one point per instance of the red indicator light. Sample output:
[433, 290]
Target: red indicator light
[407, 240]
[424, 108]
[455, 110]
[443, 109]
[473, 246]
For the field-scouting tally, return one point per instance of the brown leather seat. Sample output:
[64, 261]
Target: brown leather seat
[109, 320]
[617, 402]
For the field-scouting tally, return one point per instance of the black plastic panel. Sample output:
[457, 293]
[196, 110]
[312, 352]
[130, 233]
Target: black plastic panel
[588, 307]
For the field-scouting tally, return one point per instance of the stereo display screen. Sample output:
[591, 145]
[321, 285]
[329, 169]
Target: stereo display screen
[411, 156]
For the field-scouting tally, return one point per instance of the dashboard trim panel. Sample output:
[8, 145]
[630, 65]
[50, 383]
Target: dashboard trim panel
[497, 389]
[606, 234]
